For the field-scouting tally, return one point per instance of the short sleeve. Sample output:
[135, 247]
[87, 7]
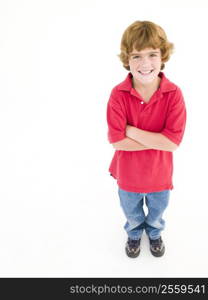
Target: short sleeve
[176, 119]
[116, 120]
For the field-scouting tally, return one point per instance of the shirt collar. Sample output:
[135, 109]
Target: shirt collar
[165, 84]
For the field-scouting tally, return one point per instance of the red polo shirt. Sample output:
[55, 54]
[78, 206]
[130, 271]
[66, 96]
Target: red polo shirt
[149, 170]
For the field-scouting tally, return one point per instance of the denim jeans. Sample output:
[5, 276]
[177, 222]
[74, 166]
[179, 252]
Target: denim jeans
[152, 223]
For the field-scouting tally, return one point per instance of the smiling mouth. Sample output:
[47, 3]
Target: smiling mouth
[146, 73]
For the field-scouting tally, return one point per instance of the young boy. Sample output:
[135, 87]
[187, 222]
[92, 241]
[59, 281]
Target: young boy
[146, 118]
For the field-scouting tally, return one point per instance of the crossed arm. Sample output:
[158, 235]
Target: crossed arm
[138, 139]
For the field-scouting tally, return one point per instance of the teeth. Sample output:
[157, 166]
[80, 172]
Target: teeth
[147, 72]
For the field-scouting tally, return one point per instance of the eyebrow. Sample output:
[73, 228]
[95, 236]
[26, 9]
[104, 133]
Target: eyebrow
[147, 53]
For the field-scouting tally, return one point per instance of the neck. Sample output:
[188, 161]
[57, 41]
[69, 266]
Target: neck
[146, 87]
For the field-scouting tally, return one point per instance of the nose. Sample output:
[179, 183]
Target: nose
[144, 62]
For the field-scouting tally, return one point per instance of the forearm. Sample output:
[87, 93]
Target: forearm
[127, 144]
[153, 140]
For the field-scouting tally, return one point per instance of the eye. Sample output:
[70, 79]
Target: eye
[135, 56]
[153, 54]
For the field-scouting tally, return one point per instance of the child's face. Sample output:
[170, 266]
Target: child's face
[145, 65]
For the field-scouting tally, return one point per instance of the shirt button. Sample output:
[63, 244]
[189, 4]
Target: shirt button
[142, 102]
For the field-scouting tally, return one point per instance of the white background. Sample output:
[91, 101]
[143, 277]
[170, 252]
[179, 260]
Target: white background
[59, 207]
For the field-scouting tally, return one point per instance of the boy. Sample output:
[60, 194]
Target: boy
[146, 118]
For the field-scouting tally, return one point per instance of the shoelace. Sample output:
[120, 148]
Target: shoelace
[133, 243]
[156, 243]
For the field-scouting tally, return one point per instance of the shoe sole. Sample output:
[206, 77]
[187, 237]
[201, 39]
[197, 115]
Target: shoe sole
[156, 254]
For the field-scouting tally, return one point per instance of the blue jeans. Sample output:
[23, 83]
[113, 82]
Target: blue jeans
[132, 205]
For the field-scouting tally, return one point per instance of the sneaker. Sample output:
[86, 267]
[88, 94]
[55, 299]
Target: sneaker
[157, 247]
[133, 247]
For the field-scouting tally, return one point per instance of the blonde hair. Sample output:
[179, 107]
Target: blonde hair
[144, 34]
